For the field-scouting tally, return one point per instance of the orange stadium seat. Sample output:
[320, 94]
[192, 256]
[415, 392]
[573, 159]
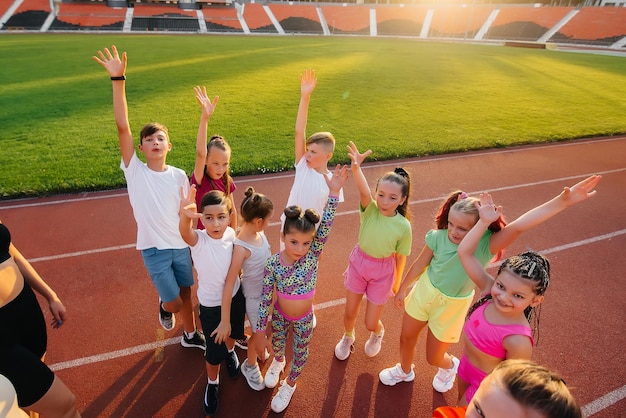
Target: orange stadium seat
[257, 19]
[353, 19]
[406, 20]
[296, 18]
[458, 22]
[525, 23]
[221, 19]
[601, 25]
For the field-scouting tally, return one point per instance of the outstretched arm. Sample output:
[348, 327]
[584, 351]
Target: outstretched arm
[188, 212]
[488, 213]
[365, 195]
[208, 107]
[307, 85]
[116, 67]
[35, 281]
[570, 196]
[415, 271]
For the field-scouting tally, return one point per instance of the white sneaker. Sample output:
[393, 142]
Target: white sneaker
[344, 347]
[282, 398]
[373, 344]
[395, 374]
[252, 375]
[273, 373]
[314, 322]
[444, 379]
[264, 356]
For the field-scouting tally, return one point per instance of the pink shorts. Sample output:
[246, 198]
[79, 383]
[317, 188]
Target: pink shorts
[472, 375]
[370, 276]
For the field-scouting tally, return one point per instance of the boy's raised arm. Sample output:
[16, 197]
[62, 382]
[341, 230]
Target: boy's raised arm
[207, 108]
[307, 85]
[116, 66]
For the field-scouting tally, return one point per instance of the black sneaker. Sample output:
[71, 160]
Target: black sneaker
[167, 319]
[243, 343]
[211, 402]
[197, 341]
[232, 364]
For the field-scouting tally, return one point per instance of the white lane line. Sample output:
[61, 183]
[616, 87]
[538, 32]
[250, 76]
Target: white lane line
[418, 160]
[81, 253]
[588, 410]
[340, 213]
[604, 402]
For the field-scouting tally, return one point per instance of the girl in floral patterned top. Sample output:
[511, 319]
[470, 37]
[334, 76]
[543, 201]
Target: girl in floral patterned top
[291, 276]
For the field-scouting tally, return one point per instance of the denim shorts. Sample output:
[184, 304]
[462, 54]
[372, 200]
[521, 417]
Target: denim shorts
[169, 270]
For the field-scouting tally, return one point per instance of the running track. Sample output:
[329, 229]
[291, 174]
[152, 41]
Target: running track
[117, 360]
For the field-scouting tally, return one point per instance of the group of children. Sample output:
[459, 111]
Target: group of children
[238, 276]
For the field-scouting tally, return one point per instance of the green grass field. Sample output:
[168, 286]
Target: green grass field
[399, 97]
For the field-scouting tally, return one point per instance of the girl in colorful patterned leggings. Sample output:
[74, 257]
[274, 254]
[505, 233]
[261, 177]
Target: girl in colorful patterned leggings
[291, 275]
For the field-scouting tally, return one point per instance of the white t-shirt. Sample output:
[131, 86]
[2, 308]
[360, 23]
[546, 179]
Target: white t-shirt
[155, 199]
[211, 259]
[309, 190]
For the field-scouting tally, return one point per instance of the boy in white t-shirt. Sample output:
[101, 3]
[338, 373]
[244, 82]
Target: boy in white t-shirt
[309, 189]
[154, 194]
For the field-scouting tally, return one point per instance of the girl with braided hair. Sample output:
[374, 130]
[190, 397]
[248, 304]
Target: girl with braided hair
[502, 323]
[441, 290]
[377, 261]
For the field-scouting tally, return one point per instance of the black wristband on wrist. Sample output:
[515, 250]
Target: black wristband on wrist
[121, 77]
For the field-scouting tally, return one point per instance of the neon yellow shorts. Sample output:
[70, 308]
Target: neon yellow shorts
[445, 314]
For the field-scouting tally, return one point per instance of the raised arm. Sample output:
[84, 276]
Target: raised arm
[116, 67]
[307, 85]
[207, 107]
[188, 212]
[365, 194]
[488, 213]
[570, 196]
[34, 280]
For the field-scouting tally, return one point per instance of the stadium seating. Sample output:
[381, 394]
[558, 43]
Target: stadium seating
[595, 26]
[510, 24]
[88, 16]
[257, 19]
[349, 19]
[406, 21]
[458, 22]
[297, 18]
[525, 23]
[31, 15]
[221, 19]
[151, 17]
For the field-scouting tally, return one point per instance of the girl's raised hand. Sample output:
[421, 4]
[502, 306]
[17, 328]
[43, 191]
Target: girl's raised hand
[307, 81]
[336, 182]
[487, 211]
[111, 61]
[355, 156]
[581, 191]
[208, 107]
[188, 205]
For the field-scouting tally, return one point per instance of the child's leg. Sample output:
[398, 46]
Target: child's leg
[186, 310]
[411, 329]
[280, 328]
[436, 352]
[302, 333]
[212, 371]
[373, 314]
[351, 310]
